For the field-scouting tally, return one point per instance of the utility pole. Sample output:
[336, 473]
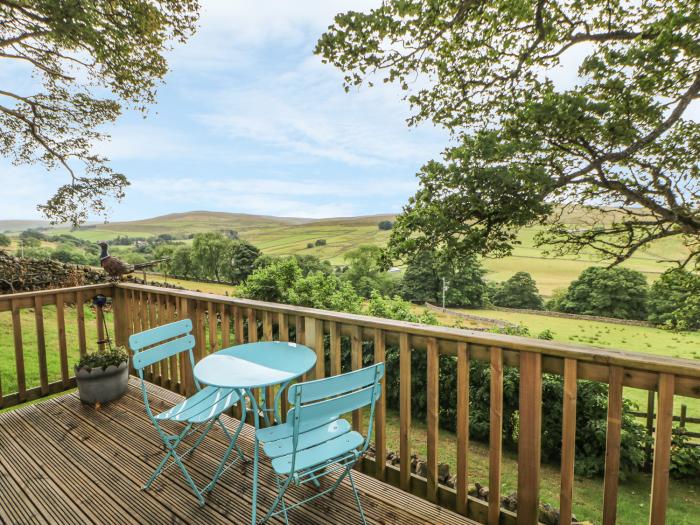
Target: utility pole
[444, 291]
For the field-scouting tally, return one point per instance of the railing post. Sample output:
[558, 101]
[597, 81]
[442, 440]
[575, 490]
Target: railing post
[462, 428]
[404, 412]
[380, 410]
[568, 442]
[433, 409]
[495, 435]
[612, 446]
[662, 450]
[529, 438]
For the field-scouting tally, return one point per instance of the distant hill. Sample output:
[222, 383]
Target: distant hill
[18, 226]
[292, 235]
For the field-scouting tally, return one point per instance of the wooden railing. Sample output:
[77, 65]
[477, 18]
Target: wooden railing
[36, 373]
[222, 321]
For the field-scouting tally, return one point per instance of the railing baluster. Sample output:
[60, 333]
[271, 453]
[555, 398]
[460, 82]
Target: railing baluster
[568, 442]
[225, 326]
[213, 322]
[41, 344]
[164, 372]
[495, 435]
[662, 450]
[612, 446]
[283, 321]
[99, 322]
[335, 349]
[252, 326]
[237, 326]
[299, 330]
[174, 383]
[462, 427]
[267, 336]
[80, 311]
[62, 344]
[356, 364]
[380, 409]
[433, 410]
[153, 321]
[19, 351]
[404, 411]
[529, 437]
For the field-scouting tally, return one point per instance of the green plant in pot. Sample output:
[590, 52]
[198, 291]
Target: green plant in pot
[102, 376]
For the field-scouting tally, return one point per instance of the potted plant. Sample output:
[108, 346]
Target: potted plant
[102, 376]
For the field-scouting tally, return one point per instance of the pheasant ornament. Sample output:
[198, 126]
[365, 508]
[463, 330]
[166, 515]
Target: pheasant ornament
[116, 268]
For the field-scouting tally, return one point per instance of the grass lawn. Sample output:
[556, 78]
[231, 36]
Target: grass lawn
[8, 370]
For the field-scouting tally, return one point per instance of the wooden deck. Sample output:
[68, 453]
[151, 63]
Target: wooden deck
[62, 462]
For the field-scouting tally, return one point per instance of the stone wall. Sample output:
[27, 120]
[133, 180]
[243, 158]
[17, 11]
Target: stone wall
[581, 317]
[25, 275]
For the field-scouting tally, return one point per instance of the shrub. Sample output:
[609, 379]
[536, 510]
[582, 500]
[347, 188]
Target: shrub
[103, 359]
[320, 242]
[4, 240]
[685, 458]
[309, 245]
[385, 225]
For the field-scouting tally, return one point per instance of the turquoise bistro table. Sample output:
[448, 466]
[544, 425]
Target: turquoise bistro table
[255, 365]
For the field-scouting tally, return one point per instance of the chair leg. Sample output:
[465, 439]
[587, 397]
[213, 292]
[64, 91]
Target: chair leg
[232, 444]
[357, 498]
[281, 489]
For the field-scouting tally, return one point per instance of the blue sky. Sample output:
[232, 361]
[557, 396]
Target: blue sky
[250, 121]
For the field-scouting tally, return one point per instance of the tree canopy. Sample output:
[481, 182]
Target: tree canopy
[86, 60]
[674, 300]
[609, 292]
[519, 291]
[528, 147]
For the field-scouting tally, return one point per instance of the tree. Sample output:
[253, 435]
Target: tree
[312, 263]
[273, 281]
[183, 263]
[209, 251]
[464, 278]
[78, 52]
[609, 292]
[674, 300]
[67, 254]
[365, 272]
[327, 291]
[241, 259]
[385, 225]
[4, 240]
[520, 291]
[526, 149]
[320, 242]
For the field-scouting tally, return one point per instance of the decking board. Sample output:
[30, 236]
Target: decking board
[63, 462]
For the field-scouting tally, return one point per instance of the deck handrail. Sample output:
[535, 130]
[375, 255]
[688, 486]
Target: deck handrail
[219, 321]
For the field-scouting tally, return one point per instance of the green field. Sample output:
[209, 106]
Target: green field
[286, 236]
[642, 339]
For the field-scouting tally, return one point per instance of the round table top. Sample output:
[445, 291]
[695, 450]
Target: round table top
[255, 365]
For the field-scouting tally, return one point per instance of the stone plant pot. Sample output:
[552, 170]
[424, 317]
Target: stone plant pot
[101, 386]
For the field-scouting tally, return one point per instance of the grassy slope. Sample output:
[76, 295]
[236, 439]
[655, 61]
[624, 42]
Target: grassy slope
[284, 236]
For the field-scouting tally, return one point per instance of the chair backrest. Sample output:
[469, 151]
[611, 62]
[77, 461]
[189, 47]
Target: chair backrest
[325, 400]
[156, 344]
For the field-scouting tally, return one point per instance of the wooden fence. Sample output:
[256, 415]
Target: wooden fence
[221, 321]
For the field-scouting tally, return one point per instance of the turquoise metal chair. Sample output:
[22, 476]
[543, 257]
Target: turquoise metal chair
[315, 440]
[199, 412]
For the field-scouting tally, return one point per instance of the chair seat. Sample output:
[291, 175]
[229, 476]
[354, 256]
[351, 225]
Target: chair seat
[322, 453]
[313, 437]
[202, 406]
